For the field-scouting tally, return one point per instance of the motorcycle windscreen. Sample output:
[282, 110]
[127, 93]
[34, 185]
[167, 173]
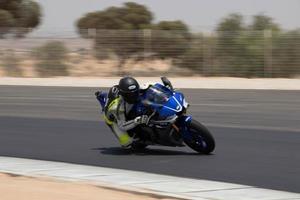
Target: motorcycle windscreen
[163, 100]
[156, 96]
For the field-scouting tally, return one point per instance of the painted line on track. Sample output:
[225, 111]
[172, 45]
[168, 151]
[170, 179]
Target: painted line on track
[254, 127]
[142, 182]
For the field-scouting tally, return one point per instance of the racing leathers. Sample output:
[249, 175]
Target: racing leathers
[116, 116]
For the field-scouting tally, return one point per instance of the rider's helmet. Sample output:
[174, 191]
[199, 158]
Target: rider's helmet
[129, 89]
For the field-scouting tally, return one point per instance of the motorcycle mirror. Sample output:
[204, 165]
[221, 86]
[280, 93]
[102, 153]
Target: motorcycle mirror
[167, 82]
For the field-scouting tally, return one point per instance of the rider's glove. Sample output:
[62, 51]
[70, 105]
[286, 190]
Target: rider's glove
[97, 93]
[141, 119]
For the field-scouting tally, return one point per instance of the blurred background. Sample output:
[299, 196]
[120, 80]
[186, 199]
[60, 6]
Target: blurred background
[114, 38]
[256, 130]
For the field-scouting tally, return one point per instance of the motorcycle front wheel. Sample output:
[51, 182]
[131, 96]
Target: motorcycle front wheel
[200, 139]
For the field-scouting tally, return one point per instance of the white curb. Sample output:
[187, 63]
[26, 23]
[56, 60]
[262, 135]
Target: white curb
[142, 182]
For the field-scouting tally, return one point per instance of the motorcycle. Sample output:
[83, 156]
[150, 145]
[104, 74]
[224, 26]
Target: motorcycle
[168, 124]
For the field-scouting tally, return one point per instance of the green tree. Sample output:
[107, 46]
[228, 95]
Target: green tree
[257, 46]
[51, 59]
[131, 16]
[233, 23]
[170, 39]
[24, 15]
[229, 46]
[6, 22]
[117, 30]
[263, 22]
[30, 15]
[245, 50]
[128, 32]
[286, 54]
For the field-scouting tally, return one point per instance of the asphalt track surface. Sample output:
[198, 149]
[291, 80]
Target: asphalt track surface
[257, 134]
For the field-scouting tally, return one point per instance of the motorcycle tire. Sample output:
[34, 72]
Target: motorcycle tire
[201, 139]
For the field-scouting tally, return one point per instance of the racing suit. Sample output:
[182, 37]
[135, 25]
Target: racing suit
[116, 117]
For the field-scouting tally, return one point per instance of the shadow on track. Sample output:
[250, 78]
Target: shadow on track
[118, 151]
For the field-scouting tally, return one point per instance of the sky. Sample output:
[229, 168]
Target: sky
[59, 16]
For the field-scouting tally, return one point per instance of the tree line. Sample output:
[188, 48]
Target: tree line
[118, 32]
[258, 49]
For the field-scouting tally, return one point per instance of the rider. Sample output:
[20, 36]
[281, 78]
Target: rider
[119, 114]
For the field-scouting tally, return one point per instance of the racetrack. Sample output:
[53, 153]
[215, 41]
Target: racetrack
[257, 134]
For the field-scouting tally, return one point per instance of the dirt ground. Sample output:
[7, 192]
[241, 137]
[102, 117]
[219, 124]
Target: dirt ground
[14, 187]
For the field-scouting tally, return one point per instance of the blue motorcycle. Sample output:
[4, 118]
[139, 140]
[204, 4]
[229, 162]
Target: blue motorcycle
[169, 125]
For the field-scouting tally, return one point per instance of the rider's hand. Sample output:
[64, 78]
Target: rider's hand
[144, 119]
[97, 93]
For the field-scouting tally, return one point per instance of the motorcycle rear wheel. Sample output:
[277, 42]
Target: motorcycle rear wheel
[201, 139]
